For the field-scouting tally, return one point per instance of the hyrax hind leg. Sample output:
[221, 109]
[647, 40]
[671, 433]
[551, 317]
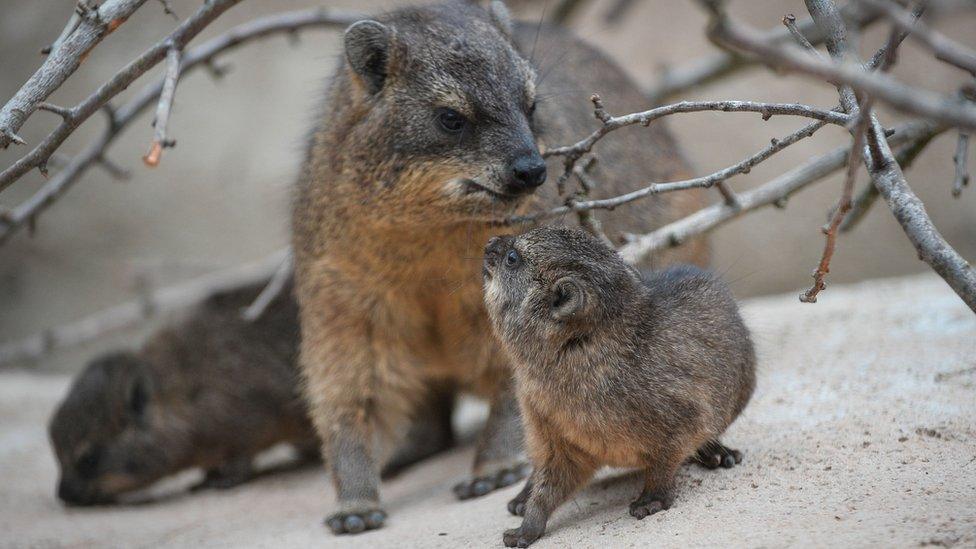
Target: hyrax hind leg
[499, 458]
[713, 454]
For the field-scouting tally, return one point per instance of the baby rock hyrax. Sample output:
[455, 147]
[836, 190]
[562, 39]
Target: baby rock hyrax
[211, 390]
[612, 368]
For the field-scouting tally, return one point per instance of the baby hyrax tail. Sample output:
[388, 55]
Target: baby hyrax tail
[612, 368]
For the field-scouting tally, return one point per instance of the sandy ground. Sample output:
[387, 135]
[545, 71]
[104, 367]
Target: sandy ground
[861, 433]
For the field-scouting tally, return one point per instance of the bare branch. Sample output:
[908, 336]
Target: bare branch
[904, 204]
[944, 49]
[743, 167]
[173, 58]
[65, 57]
[773, 192]
[128, 314]
[905, 156]
[843, 205]
[574, 152]
[789, 20]
[200, 56]
[959, 159]
[274, 287]
[587, 220]
[949, 110]
[702, 71]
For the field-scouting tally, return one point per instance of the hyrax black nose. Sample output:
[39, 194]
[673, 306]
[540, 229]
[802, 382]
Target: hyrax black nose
[528, 172]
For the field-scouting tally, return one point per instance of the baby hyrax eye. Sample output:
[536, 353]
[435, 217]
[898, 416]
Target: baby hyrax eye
[512, 259]
[450, 120]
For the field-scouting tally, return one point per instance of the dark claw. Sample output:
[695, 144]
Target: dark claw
[480, 486]
[508, 478]
[354, 523]
[713, 454]
[517, 538]
[728, 461]
[640, 509]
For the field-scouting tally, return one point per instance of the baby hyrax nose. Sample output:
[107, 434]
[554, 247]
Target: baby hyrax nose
[528, 172]
[496, 246]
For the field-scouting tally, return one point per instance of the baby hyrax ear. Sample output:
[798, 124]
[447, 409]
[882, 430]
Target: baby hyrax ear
[501, 17]
[567, 298]
[368, 47]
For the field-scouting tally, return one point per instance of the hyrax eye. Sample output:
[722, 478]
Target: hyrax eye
[511, 259]
[87, 464]
[450, 120]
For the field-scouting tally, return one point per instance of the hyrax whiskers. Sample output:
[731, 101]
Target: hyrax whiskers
[612, 368]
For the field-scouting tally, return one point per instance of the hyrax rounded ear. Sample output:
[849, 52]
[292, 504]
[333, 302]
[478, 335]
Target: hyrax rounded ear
[368, 47]
[567, 298]
[501, 17]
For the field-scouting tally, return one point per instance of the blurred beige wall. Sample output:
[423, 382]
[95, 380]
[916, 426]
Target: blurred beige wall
[221, 196]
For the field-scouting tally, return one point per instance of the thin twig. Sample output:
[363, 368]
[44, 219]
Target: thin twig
[128, 314]
[949, 110]
[907, 208]
[199, 56]
[172, 76]
[843, 205]
[587, 220]
[959, 159]
[93, 24]
[709, 69]
[942, 47]
[271, 290]
[773, 192]
[742, 167]
[789, 20]
[609, 123]
[905, 157]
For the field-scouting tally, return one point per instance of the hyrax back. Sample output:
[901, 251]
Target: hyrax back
[612, 368]
[209, 391]
[430, 134]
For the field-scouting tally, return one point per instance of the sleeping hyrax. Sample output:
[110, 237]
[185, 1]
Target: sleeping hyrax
[211, 390]
[612, 368]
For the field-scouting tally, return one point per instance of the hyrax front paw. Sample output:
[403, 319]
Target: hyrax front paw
[354, 522]
[648, 504]
[713, 454]
[479, 486]
[520, 537]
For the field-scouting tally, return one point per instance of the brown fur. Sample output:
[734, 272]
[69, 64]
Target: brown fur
[209, 391]
[612, 369]
[392, 213]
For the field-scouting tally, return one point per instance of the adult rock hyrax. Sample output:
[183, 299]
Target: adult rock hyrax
[210, 390]
[430, 133]
[612, 369]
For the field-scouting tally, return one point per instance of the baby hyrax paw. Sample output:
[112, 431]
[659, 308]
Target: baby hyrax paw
[648, 504]
[479, 486]
[354, 522]
[520, 537]
[713, 454]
